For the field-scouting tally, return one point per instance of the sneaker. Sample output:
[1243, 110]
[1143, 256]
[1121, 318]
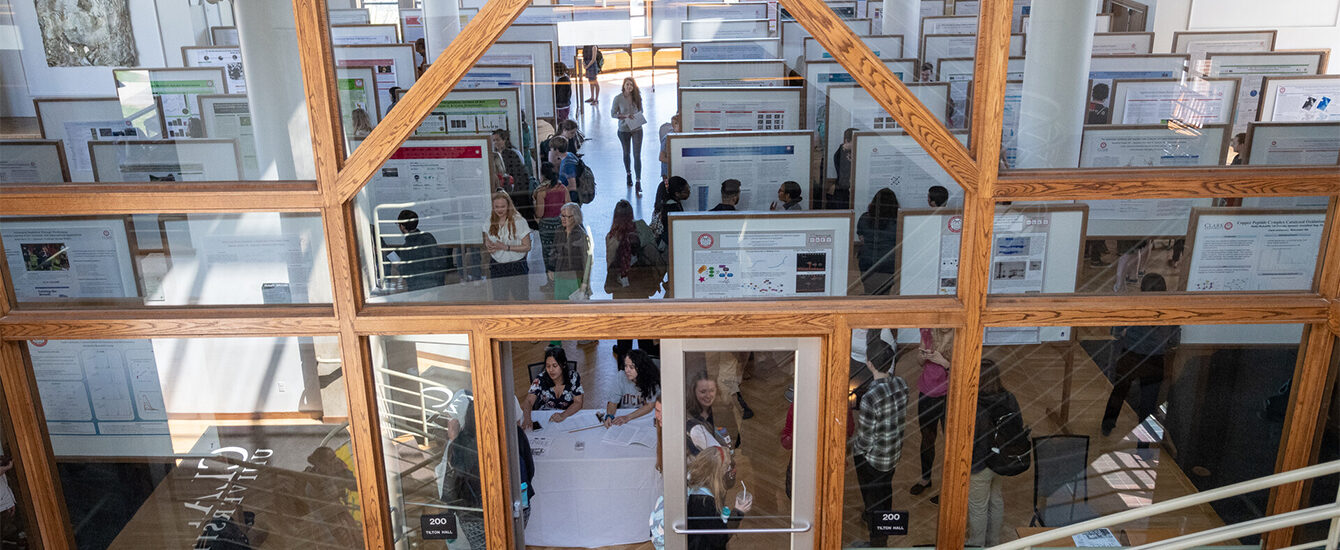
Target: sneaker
[920, 487]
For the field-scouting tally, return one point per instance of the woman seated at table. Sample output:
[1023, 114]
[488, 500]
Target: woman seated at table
[708, 484]
[558, 388]
[701, 427]
[639, 387]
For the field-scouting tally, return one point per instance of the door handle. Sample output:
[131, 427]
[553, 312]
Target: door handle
[682, 529]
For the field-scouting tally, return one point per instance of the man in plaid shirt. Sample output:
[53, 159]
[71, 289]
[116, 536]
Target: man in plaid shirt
[879, 432]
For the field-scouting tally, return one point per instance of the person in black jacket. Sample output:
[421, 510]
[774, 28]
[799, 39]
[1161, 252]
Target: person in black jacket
[707, 494]
[464, 486]
[986, 503]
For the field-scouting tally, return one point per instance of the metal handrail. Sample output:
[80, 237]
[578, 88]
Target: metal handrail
[682, 528]
[1203, 497]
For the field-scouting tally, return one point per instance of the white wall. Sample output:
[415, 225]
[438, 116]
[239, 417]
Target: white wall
[1302, 24]
[237, 375]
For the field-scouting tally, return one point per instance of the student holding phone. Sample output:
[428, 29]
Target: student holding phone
[508, 242]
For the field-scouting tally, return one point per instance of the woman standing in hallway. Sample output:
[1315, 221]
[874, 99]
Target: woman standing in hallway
[628, 109]
[572, 251]
[508, 241]
[937, 352]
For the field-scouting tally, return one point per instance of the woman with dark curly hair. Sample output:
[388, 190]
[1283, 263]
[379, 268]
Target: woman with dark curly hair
[639, 387]
[558, 388]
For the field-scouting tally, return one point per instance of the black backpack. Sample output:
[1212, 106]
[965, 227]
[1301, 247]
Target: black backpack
[1011, 447]
[586, 182]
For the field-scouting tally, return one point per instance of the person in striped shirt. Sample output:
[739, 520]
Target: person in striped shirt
[878, 442]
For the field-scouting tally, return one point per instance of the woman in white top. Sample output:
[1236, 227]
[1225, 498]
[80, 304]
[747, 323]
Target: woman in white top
[628, 109]
[508, 242]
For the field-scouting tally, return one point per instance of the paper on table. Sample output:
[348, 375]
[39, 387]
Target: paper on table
[626, 435]
[1095, 538]
[539, 444]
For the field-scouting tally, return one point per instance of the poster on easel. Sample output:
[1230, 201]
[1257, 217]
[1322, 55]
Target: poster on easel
[762, 161]
[393, 65]
[229, 117]
[448, 181]
[356, 89]
[69, 258]
[958, 72]
[738, 10]
[228, 58]
[821, 75]
[1123, 43]
[730, 50]
[33, 161]
[1251, 249]
[793, 37]
[1199, 43]
[1192, 102]
[77, 121]
[760, 255]
[158, 160]
[147, 93]
[350, 16]
[474, 111]
[1300, 99]
[538, 55]
[1252, 68]
[730, 74]
[101, 398]
[739, 109]
[851, 106]
[935, 47]
[721, 29]
[883, 46]
[352, 35]
[224, 36]
[1292, 144]
[893, 160]
[1104, 69]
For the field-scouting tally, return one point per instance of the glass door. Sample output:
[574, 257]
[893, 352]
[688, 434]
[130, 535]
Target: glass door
[742, 473]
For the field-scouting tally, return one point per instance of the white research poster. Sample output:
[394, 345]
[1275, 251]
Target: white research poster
[760, 160]
[1255, 250]
[101, 397]
[760, 256]
[66, 259]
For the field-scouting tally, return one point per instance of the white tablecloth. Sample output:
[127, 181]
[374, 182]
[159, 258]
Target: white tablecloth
[600, 496]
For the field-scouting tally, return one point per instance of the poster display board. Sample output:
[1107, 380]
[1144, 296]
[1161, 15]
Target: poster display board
[229, 117]
[744, 109]
[35, 161]
[1148, 146]
[730, 50]
[761, 255]
[229, 58]
[957, 71]
[1199, 43]
[1241, 249]
[844, 9]
[141, 92]
[1192, 102]
[1103, 69]
[949, 24]
[1009, 131]
[166, 160]
[350, 16]
[821, 75]
[883, 46]
[1292, 144]
[536, 54]
[69, 258]
[77, 121]
[1300, 99]
[543, 33]
[1123, 43]
[1252, 68]
[447, 181]
[851, 106]
[474, 111]
[353, 35]
[101, 397]
[1102, 22]
[411, 27]
[716, 29]
[393, 65]
[224, 36]
[510, 76]
[761, 72]
[793, 38]
[1034, 250]
[356, 89]
[938, 46]
[760, 160]
[893, 160]
[738, 10]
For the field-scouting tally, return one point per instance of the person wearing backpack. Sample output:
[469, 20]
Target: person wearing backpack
[999, 423]
[568, 165]
[592, 62]
[630, 274]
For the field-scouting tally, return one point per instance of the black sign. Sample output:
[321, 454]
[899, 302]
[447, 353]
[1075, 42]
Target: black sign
[889, 522]
[443, 526]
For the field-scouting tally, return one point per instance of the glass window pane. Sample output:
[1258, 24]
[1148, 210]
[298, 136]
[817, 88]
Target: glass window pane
[144, 93]
[167, 259]
[13, 517]
[182, 442]
[789, 176]
[1260, 94]
[430, 439]
[1115, 418]
[897, 400]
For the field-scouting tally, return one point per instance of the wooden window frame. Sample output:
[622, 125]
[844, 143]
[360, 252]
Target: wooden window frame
[974, 168]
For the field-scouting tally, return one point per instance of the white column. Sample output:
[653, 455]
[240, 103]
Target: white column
[1056, 79]
[275, 94]
[441, 24]
[904, 17]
